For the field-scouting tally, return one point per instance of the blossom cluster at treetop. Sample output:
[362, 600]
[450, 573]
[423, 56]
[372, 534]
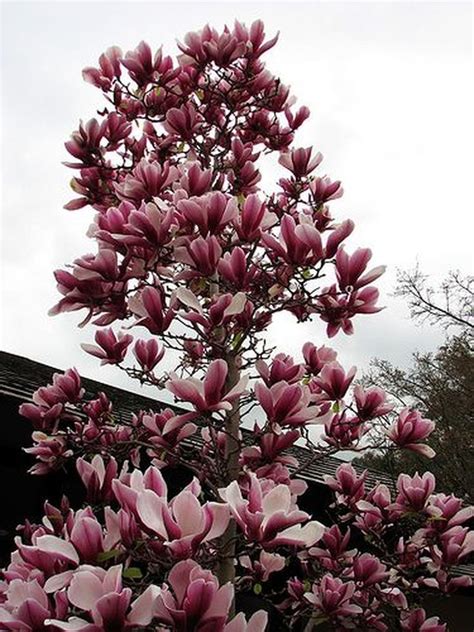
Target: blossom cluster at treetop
[193, 262]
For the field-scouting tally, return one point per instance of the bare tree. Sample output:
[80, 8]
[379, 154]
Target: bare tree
[450, 304]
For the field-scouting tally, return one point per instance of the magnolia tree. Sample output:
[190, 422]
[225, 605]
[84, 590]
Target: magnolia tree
[194, 260]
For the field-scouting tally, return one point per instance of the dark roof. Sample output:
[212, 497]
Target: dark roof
[20, 377]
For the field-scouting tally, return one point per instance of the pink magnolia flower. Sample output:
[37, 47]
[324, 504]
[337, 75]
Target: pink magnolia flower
[413, 492]
[343, 431]
[268, 517]
[266, 564]
[50, 451]
[150, 226]
[210, 212]
[117, 129]
[300, 162]
[332, 551]
[447, 511]
[85, 141]
[102, 266]
[234, 269]
[416, 621]
[287, 404]
[25, 606]
[184, 121]
[167, 429]
[371, 402]
[270, 450]
[337, 310]
[201, 254]
[369, 570]
[100, 594]
[334, 381]
[149, 307]
[143, 67]
[337, 236]
[323, 190]
[66, 388]
[209, 394]
[196, 181]
[86, 535]
[109, 68]
[298, 244]
[454, 544]
[180, 525]
[49, 553]
[192, 599]
[111, 350]
[333, 597]
[374, 511]
[282, 368]
[347, 484]
[410, 428]
[97, 477]
[147, 180]
[317, 357]
[42, 417]
[350, 269]
[252, 219]
[254, 38]
[148, 353]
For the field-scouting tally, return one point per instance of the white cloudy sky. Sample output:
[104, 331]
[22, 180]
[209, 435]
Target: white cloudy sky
[389, 88]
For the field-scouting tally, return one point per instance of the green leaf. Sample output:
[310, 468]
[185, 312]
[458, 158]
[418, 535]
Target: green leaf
[132, 573]
[236, 340]
[108, 555]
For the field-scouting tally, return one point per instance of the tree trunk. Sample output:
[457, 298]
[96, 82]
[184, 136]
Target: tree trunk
[226, 567]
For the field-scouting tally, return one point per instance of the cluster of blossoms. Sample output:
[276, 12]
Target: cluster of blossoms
[192, 254]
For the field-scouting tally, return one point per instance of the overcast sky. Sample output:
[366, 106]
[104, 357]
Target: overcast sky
[389, 89]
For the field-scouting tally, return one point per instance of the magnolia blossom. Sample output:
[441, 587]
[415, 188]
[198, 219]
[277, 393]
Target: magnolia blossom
[371, 402]
[409, 429]
[350, 269]
[317, 357]
[148, 353]
[192, 599]
[287, 405]
[414, 491]
[100, 594]
[348, 485]
[181, 524]
[25, 606]
[334, 381]
[333, 597]
[97, 477]
[266, 564]
[416, 621]
[369, 570]
[210, 394]
[268, 516]
[282, 368]
[300, 162]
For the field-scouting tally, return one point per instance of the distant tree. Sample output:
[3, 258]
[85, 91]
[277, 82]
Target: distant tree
[438, 384]
[450, 305]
